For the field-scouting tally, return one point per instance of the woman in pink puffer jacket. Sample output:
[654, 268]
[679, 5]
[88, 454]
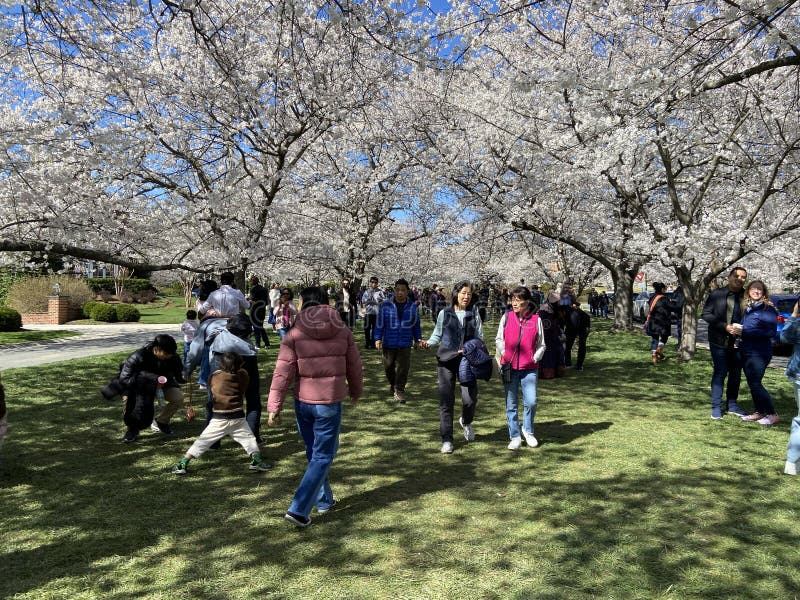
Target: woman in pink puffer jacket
[321, 354]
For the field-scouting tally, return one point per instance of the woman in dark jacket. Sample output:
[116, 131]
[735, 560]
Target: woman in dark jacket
[455, 325]
[659, 321]
[758, 328]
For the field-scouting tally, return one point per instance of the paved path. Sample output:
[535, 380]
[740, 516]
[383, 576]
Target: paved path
[93, 340]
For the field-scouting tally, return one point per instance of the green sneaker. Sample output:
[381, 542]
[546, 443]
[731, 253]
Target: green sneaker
[259, 464]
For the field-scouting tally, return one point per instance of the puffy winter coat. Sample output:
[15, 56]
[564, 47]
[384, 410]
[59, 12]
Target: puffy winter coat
[659, 320]
[475, 362]
[759, 326]
[321, 354]
[395, 329]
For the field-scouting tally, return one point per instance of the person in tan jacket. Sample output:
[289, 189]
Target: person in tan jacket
[321, 354]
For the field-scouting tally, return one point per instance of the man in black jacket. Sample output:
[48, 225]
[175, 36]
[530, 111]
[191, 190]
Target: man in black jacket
[723, 307]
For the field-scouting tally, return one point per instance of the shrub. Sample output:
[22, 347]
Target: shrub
[127, 313]
[104, 312]
[125, 297]
[145, 297]
[29, 295]
[87, 309]
[7, 278]
[10, 320]
[131, 285]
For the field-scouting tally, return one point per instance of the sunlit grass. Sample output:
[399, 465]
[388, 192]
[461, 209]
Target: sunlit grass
[18, 337]
[633, 493]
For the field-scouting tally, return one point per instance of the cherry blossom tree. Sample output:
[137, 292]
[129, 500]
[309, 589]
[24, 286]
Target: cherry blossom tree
[629, 131]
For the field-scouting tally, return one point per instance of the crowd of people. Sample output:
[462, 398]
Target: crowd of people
[318, 356]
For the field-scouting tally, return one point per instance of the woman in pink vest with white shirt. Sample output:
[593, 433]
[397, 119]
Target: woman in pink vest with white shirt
[520, 342]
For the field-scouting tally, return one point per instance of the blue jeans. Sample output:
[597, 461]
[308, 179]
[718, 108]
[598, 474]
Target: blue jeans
[655, 339]
[205, 369]
[319, 426]
[793, 451]
[754, 368]
[282, 333]
[726, 364]
[527, 380]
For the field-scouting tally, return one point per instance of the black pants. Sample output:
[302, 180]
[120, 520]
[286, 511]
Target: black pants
[447, 373]
[348, 318]
[260, 335]
[369, 330]
[396, 362]
[581, 337]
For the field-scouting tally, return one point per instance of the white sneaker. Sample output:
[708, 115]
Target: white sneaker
[447, 448]
[154, 427]
[790, 468]
[530, 440]
[469, 431]
[515, 443]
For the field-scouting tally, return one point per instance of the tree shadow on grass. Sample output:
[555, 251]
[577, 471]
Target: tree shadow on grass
[103, 518]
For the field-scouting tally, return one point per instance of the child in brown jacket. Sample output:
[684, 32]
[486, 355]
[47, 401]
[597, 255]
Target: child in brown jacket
[228, 386]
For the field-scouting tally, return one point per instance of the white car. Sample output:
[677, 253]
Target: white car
[641, 305]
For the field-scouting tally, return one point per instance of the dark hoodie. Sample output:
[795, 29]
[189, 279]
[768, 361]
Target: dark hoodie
[321, 353]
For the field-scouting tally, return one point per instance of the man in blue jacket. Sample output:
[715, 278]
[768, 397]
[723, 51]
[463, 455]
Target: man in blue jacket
[397, 330]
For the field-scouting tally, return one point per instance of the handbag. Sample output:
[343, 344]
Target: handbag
[505, 372]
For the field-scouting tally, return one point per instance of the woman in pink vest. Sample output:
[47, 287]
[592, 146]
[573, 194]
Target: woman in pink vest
[520, 343]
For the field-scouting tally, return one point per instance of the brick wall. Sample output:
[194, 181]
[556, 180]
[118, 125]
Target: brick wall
[58, 312]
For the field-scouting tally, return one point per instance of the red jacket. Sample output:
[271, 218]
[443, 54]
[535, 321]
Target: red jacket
[320, 352]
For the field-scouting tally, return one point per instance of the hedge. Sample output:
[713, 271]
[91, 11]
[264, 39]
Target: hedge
[10, 320]
[132, 285]
[104, 312]
[88, 307]
[127, 313]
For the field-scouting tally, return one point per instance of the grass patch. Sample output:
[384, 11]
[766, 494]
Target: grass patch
[166, 309]
[633, 493]
[18, 337]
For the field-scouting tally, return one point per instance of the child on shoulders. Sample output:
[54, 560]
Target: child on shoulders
[228, 386]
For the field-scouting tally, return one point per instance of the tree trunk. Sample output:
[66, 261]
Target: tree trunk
[623, 298]
[693, 294]
[240, 276]
[688, 341]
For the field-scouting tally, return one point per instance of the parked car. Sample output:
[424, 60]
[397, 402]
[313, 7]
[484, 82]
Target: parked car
[784, 304]
[641, 305]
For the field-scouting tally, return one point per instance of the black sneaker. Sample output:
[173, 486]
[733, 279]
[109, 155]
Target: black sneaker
[298, 520]
[130, 436]
[161, 427]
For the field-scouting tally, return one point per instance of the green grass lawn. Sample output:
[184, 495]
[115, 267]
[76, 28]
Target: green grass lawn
[633, 493]
[18, 337]
[165, 309]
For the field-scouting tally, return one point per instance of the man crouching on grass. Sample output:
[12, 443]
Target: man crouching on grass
[156, 366]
